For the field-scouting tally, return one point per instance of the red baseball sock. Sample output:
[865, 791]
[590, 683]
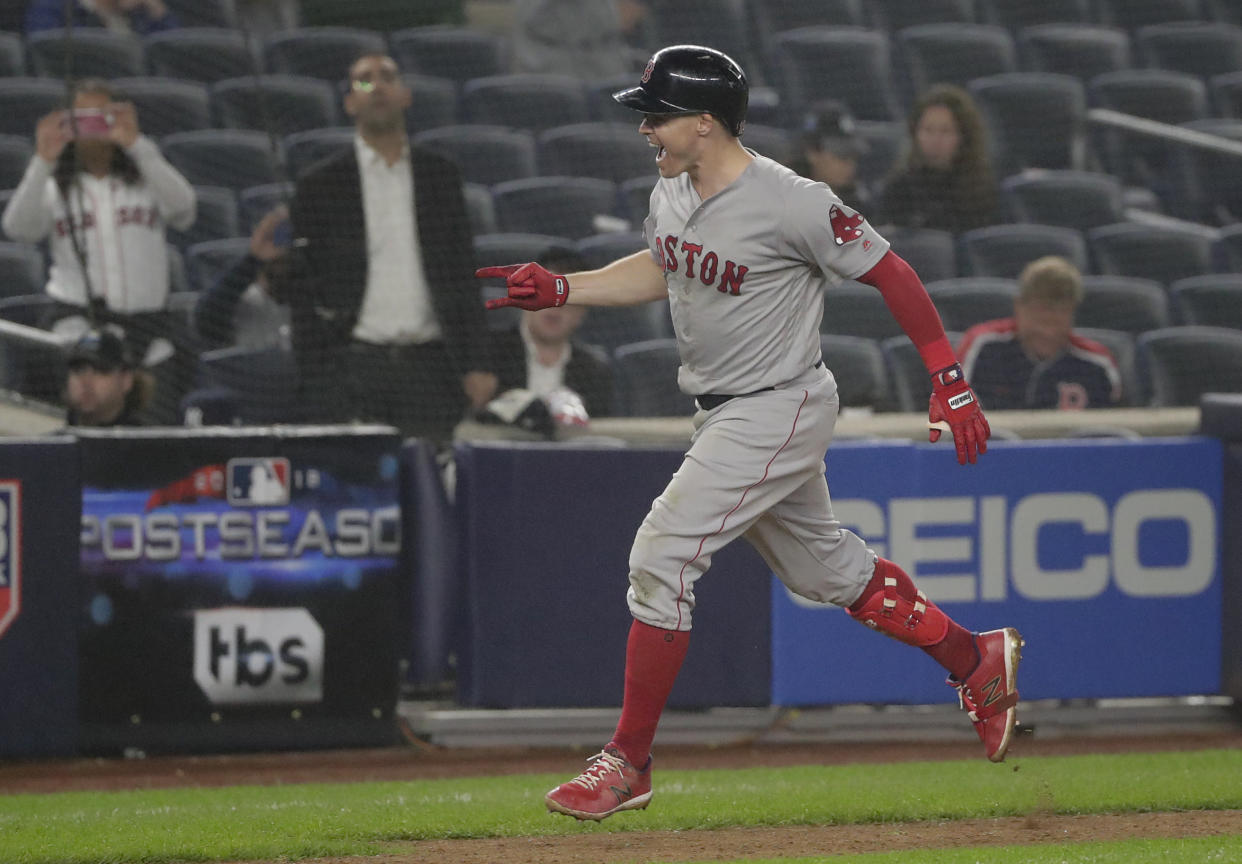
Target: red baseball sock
[652, 659]
[956, 652]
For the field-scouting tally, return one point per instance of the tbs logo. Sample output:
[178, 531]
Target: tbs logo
[258, 482]
[245, 655]
[10, 552]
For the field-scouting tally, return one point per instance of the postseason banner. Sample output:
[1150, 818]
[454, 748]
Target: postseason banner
[236, 578]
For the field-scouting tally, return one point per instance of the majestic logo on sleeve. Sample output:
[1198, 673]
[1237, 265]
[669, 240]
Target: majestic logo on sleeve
[846, 224]
[691, 260]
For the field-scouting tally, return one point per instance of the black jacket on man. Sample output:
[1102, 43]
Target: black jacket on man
[330, 229]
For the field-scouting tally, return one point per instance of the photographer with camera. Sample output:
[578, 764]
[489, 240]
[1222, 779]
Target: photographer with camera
[102, 194]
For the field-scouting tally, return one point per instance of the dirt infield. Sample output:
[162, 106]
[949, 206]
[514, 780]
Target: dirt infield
[602, 847]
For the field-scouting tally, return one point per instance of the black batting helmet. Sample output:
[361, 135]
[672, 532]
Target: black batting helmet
[688, 79]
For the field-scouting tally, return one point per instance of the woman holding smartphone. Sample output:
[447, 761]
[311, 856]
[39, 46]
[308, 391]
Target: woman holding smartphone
[102, 195]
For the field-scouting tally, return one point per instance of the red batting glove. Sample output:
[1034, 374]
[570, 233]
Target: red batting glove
[953, 402]
[530, 286]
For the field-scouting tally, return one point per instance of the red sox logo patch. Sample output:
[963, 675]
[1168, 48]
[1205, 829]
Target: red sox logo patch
[846, 224]
[647, 72]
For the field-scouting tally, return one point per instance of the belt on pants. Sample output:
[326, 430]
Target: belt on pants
[708, 401]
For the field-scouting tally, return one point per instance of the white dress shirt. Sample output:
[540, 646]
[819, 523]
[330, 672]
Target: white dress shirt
[396, 307]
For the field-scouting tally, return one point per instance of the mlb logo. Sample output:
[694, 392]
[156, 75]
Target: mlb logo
[10, 552]
[258, 481]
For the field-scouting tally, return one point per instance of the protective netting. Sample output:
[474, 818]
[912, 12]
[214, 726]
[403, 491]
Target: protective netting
[979, 135]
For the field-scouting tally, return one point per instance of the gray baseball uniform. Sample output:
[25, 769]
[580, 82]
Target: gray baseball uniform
[746, 273]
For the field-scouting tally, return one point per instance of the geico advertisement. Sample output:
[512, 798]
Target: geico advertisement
[1105, 554]
[258, 655]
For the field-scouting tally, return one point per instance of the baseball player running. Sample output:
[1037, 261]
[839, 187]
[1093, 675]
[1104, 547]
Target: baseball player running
[744, 249]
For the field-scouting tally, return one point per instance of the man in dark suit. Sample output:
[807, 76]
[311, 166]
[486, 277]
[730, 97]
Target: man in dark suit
[387, 316]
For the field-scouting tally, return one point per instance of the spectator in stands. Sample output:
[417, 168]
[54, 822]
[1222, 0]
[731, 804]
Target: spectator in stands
[829, 147]
[102, 194]
[104, 386]
[242, 308]
[386, 310]
[541, 354]
[945, 180]
[588, 39]
[1034, 359]
[139, 17]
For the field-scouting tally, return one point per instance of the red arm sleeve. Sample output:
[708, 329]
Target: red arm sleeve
[907, 299]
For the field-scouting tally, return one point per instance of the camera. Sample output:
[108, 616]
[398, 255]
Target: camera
[89, 123]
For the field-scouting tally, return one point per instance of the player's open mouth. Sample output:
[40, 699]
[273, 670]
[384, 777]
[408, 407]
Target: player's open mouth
[660, 154]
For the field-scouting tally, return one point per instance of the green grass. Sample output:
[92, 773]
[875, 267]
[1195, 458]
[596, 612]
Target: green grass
[300, 821]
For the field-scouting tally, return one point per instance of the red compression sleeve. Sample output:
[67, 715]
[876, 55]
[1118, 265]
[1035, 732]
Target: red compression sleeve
[907, 299]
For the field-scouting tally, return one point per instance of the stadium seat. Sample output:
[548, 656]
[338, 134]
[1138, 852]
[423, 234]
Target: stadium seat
[862, 375]
[265, 381]
[610, 327]
[23, 101]
[12, 55]
[967, 301]
[777, 16]
[609, 151]
[216, 219]
[636, 198]
[811, 61]
[1133, 14]
[907, 373]
[179, 285]
[166, 106]
[1121, 345]
[1229, 248]
[1003, 250]
[1082, 51]
[1122, 303]
[771, 141]
[954, 54]
[508, 248]
[449, 52]
[534, 102]
[931, 252]
[885, 140]
[600, 249]
[255, 202]
[1152, 94]
[722, 24]
[276, 104]
[235, 158]
[31, 310]
[206, 54]
[304, 149]
[480, 208]
[1018, 14]
[1034, 120]
[1164, 254]
[1206, 186]
[320, 52]
[207, 261]
[485, 154]
[1178, 364]
[97, 53]
[854, 309]
[1227, 94]
[1073, 199]
[1215, 299]
[564, 206]
[204, 13]
[433, 102]
[895, 15]
[15, 154]
[1196, 48]
[646, 379]
[23, 270]
[604, 108]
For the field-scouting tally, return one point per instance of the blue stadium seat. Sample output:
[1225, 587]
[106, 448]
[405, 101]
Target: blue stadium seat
[1082, 51]
[265, 382]
[954, 54]
[1122, 303]
[304, 149]
[1120, 344]
[23, 269]
[1017, 14]
[24, 101]
[485, 154]
[1228, 251]
[894, 15]
[1176, 365]
[15, 154]
[255, 202]
[931, 252]
[600, 249]
[1034, 120]
[911, 384]
[1133, 14]
[433, 102]
[320, 52]
[450, 52]
[777, 16]
[1196, 48]
[610, 327]
[771, 141]
[1164, 254]
[97, 53]
[646, 378]
[862, 375]
[967, 301]
[1227, 94]
[278, 104]
[217, 217]
[609, 151]
[1003, 250]
[1073, 199]
[205, 54]
[204, 13]
[12, 55]
[480, 208]
[1207, 186]
[235, 158]
[811, 60]
[854, 309]
[564, 206]
[207, 261]
[165, 105]
[1215, 299]
[534, 102]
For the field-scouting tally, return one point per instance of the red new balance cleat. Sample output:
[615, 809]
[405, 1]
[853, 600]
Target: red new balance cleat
[990, 693]
[610, 785]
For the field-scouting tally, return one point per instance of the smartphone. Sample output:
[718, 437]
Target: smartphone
[282, 234]
[90, 122]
